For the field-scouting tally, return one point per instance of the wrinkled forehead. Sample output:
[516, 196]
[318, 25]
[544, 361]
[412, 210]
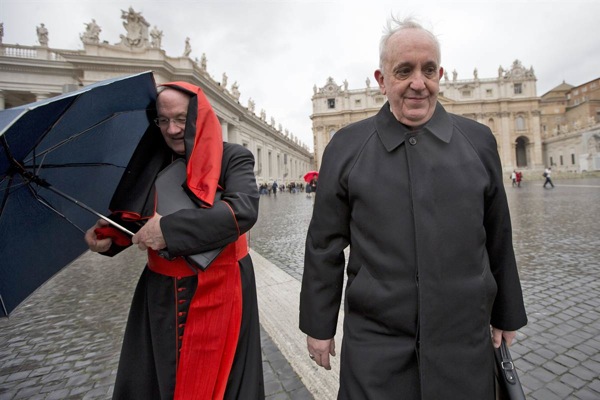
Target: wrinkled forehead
[413, 40]
[170, 97]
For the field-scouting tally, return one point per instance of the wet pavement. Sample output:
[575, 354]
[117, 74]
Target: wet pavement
[64, 341]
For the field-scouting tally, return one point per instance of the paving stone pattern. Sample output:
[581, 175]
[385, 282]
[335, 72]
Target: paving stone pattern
[64, 341]
[557, 245]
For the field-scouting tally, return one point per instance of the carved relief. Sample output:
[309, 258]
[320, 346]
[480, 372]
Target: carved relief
[91, 34]
[137, 29]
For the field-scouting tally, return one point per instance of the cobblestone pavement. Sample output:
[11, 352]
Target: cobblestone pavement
[557, 244]
[64, 341]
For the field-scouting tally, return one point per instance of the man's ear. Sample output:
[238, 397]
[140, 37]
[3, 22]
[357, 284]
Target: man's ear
[441, 72]
[379, 78]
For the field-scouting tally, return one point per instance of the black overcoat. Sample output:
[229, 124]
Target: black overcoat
[431, 262]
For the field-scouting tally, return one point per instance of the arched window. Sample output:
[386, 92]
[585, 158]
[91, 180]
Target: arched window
[520, 123]
[492, 124]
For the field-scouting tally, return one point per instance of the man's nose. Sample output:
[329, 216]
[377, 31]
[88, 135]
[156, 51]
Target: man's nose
[173, 128]
[418, 81]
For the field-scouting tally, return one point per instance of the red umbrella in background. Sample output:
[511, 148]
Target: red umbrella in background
[310, 175]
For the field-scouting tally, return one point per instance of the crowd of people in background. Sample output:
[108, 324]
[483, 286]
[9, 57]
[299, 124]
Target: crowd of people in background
[274, 187]
[516, 178]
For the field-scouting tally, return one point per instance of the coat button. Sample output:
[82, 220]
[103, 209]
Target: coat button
[412, 140]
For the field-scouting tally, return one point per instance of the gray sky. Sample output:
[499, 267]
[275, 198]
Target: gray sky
[277, 50]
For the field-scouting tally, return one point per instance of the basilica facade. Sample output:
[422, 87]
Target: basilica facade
[32, 73]
[559, 129]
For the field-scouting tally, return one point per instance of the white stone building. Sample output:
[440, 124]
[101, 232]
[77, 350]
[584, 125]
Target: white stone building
[507, 103]
[32, 73]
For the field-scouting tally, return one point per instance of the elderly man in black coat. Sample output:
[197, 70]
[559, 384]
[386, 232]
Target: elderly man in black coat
[417, 193]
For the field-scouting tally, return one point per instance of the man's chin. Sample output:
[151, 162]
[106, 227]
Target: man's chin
[178, 148]
[418, 117]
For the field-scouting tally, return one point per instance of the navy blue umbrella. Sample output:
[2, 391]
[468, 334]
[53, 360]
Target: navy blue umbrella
[60, 162]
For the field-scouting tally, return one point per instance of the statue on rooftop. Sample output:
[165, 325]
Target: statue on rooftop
[156, 36]
[224, 81]
[137, 29]
[235, 90]
[91, 34]
[188, 47]
[42, 34]
[203, 62]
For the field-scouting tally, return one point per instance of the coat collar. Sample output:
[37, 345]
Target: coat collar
[392, 133]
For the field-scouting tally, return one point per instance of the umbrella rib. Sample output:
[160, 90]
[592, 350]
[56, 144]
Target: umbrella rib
[69, 165]
[3, 306]
[6, 194]
[76, 135]
[45, 203]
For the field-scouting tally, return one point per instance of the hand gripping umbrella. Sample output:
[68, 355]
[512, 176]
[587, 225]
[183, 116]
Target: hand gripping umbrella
[60, 162]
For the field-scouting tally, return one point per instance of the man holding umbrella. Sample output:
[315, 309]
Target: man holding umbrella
[191, 333]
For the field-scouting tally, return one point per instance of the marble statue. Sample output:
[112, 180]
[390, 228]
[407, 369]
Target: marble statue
[156, 36]
[235, 90]
[91, 34]
[137, 29]
[224, 81]
[42, 34]
[203, 62]
[188, 47]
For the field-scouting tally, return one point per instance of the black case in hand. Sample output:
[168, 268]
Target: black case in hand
[171, 196]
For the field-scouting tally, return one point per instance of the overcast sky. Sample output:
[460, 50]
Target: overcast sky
[277, 50]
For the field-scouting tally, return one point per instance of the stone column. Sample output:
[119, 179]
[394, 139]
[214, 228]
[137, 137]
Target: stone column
[537, 157]
[41, 96]
[508, 151]
[2, 102]
[233, 134]
[225, 131]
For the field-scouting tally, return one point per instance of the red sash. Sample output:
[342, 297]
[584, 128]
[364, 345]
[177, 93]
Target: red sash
[213, 322]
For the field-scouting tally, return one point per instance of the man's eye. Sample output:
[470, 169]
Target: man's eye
[403, 72]
[180, 121]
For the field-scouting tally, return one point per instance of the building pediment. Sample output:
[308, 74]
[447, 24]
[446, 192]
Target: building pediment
[331, 88]
[467, 86]
[518, 72]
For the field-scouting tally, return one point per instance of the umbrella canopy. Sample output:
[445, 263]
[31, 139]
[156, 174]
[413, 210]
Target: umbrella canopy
[57, 156]
[310, 175]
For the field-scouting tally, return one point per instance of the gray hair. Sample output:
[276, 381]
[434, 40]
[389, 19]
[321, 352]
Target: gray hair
[395, 25]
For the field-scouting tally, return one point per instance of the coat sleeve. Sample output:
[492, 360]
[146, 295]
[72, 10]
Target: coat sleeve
[193, 231]
[328, 236]
[508, 311]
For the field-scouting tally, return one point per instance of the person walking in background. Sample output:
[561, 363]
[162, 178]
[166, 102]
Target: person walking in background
[431, 263]
[547, 174]
[513, 178]
[519, 178]
[191, 334]
[313, 185]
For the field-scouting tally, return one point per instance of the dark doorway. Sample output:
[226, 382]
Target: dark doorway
[521, 150]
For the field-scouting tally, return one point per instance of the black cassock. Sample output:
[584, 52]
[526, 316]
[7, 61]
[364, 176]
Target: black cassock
[147, 367]
[431, 260]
